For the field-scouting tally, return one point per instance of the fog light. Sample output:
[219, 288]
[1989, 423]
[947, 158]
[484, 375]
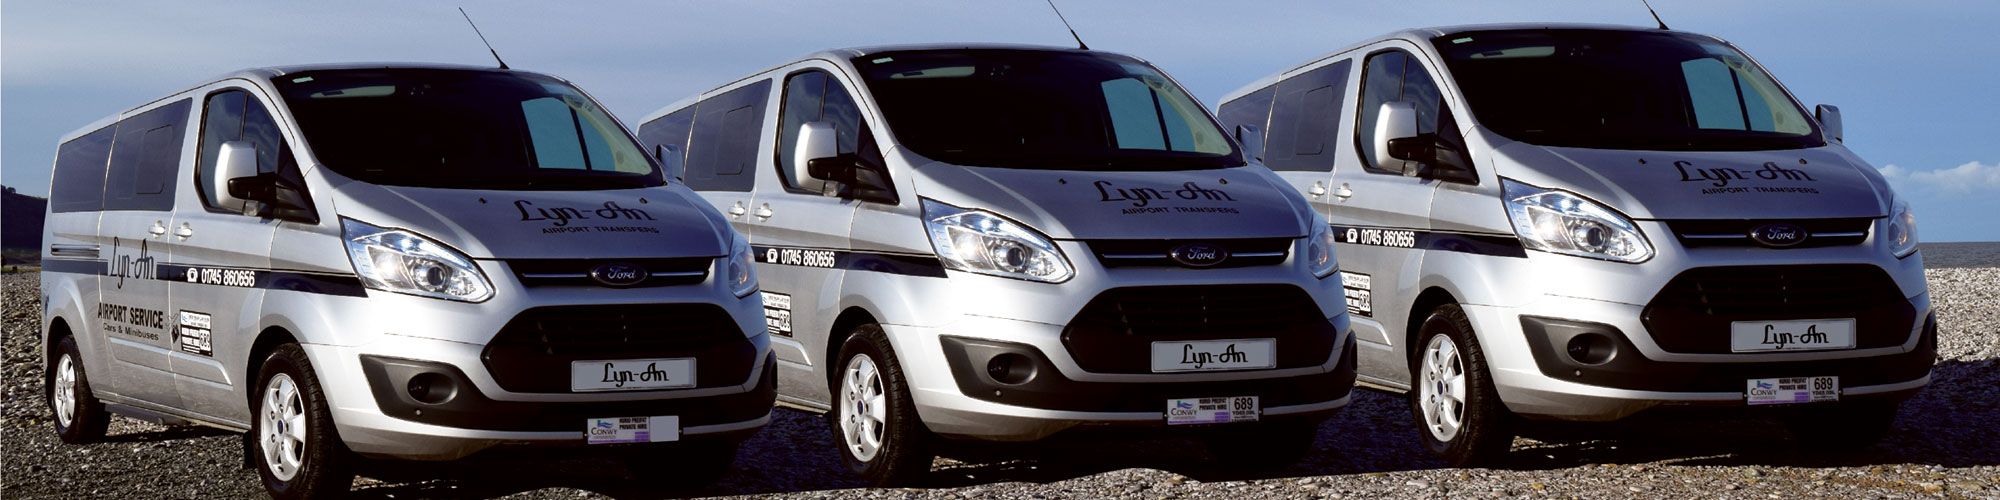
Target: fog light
[1010, 368]
[1591, 348]
[432, 388]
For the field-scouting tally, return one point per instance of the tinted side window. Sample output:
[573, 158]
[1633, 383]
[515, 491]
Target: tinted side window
[144, 158]
[1393, 76]
[1381, 82]
[667, 137]
[804, 95]
[235, 115]
[723, 143]
[1305, 119]
[79, 175]
[1253, 109]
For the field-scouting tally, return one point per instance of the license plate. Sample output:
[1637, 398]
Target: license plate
[1791, 335]
[632, 430]
[1778, 391]
[631, 374]
[1208, 355]
[1212, 410]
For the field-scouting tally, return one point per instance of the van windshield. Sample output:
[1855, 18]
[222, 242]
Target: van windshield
[464, 129]
[1623, 90]
[1042, 109]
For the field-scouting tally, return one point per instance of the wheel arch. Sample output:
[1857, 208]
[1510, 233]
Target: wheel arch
[843, 327]
[1428, 300]
[267, 340]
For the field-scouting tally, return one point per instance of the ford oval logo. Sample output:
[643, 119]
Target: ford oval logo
[1199, 255]
[1778, 235]
[619, 274]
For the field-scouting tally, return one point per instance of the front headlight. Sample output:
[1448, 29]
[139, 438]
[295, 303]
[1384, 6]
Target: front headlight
[400, 261]
[739, 271]
[982, 242]
[1319, 250]
[1902, 231]
[1560, 222]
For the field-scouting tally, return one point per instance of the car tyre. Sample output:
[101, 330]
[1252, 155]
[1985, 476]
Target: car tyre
[79, 417]
[874, 422]
[298, 452]
[1262, 446]
[1458, 414]
[1846, 426]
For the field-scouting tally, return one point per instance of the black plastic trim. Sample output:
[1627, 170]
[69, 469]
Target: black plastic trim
[471, 409]
[1631, 370]
[1050, 390]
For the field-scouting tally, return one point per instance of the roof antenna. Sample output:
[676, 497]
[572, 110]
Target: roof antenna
[482, 38]
[1065, 21]
[1656, 15]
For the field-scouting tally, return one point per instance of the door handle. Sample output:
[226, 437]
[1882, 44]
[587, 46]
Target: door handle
[158, 229]
[184, 232]
[1317, 190]
[1343, 192]
[764, 213]
[737, 210]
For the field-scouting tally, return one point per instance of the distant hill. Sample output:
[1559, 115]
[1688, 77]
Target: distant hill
[21, 226]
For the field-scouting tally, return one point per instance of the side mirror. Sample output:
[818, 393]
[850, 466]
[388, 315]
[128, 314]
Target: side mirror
[285, 201]
[1251, 139]
[1829, 122]
[817, 141]
[236, 160]
[1394, 120]
[670, 161]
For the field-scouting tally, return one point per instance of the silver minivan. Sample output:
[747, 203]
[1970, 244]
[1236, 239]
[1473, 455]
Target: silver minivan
[1004, 242]
[414, 262]
[1585, 222]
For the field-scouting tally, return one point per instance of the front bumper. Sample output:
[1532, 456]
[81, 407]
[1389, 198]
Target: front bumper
[957, 396]
[366, 349]
[1536, 377]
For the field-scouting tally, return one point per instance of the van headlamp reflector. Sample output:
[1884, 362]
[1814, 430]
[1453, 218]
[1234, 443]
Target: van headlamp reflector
[1558, 221]
[738, 268]
[1902, 233]
[982, 242]
[1319, 249]
[400, 261]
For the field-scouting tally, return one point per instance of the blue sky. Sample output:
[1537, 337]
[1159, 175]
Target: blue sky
[1915, 80]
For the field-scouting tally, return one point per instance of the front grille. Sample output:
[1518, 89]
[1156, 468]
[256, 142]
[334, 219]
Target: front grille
[1115, 331]
[1243, 252]
[1692, 313]
[533, 352]
[1736, 232]
[576, 272]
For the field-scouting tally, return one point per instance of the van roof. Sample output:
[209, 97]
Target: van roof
[1420, 34]
[265, 74]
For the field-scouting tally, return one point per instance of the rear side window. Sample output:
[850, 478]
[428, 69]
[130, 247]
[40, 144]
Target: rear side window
[79, 175]
[144, 158]
[723, 144]
[1305, 119]
[666, 138]
[1252, 109]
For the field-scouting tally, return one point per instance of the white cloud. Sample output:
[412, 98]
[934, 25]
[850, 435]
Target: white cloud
[1971, 177]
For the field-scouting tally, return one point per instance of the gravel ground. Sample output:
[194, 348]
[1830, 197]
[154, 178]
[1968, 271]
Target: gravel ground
[1943, 445]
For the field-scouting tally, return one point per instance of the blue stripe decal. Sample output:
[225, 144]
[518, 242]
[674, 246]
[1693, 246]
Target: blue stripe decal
[927, 266]
[1499, 245]
[345, 285]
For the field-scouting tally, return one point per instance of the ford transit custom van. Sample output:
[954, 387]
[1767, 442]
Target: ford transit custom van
[1585, 222]
[1002, 242]
[393, 261]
